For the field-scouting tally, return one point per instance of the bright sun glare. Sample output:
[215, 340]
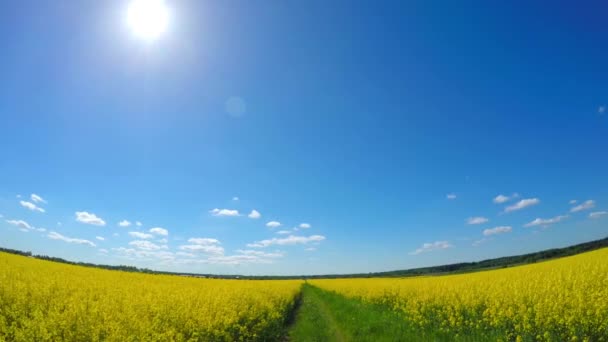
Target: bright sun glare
[148, 19]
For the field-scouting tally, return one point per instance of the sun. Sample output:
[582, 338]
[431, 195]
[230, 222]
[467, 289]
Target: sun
[148, 19]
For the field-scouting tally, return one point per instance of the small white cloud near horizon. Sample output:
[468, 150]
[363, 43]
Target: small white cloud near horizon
[524, 203]
[304, 225]
[497, 230]
[31, 206]
[597, 214]
[273, 224]
[477, 220]
[503, 198]
[100, 238]
[254, 214]
[20, 224]
[451, 196]
[124, 223]
[37, 199]
[290, 240]
[145, 245]
[141, 235]
[545, 222]
[432, 246]
[56, 236]
[224, 212]
[89, 218]
[588, 204]
[207, 246]
[283, 232]
[159, 231]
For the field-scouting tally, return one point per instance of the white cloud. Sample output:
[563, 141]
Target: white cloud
[572, 202]
[103, 250]
[145, 245]
[432, 246]
[497, 230]
[522, 204]
[588, 204]
[41, 229]
[224, 212]
[204, 241]
[477, 220]
[283, 232]
[57, 236]
[235, 198]
[546, 222]
[115, 235]
[205, 249]
[273, 224]
[451, 196]
[20, 223]
[141, 235]
[159, 231]
[597, 214]
[601, 109]
[31, 206]
[254, 214]
[500, 199]
[137, 223]
[304, 225]
[37, 199]
[89, 218]
[290, 240]
[124, 223]
[100, 238]
[163, 240]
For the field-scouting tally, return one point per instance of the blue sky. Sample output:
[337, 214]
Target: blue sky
[359, 120]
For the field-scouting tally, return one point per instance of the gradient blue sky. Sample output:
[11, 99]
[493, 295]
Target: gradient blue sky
[357, 118]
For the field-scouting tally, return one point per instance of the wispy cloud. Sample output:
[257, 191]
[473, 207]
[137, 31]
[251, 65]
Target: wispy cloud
[432, 246]
[203, 245]
[601, 109]
[504, 198]
[597, 214]
[159, 231]
[37, 199]
[224, 212]
[588, 204]
[477, 220]
[235, 198]
[254, 214]
[146, 245]
[137, 223]
[524, 203]
[497, 230]
[89, 218]
[273, 224]
[124, 223]
[284, 232]
[290, 240]
[304, 225]
[451, 196]
[31, 206]
[140, 235]
[546, 222]
[20, 224]
[57, 236]
[572, 202]
[100, 238]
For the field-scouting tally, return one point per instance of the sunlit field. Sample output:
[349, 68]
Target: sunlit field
[560, 300]
[47, 301]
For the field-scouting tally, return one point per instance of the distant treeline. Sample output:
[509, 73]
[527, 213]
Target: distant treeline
[434, 270]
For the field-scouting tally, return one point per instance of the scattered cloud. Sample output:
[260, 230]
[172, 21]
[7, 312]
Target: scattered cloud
[163, 240]
[115, 235]
[273, 224]
[37, 199]
[477, 220]
[597, 214]
[524, 203]
[254, 214]
[224, 212]
[546, 222]
[124, 223]
[480, 241]
[41, 230]
[89, 218]
[235, 198]
[57, 236]
[497, 230]
[451, 196]
[159, 231]
[140, 235]
[290, 240]
[103, 250]
[283, 232]
[31, 206]
[21, 224]
[204, 245]
[137, 223]
[572, 202]
[500, 199]
[100, 238]
[601, 109]
[146, 245]
[304, 225]
[432, 246]
[588, 204]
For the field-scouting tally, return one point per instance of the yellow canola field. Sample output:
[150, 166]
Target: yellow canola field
[561, 300]
[47, 301]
